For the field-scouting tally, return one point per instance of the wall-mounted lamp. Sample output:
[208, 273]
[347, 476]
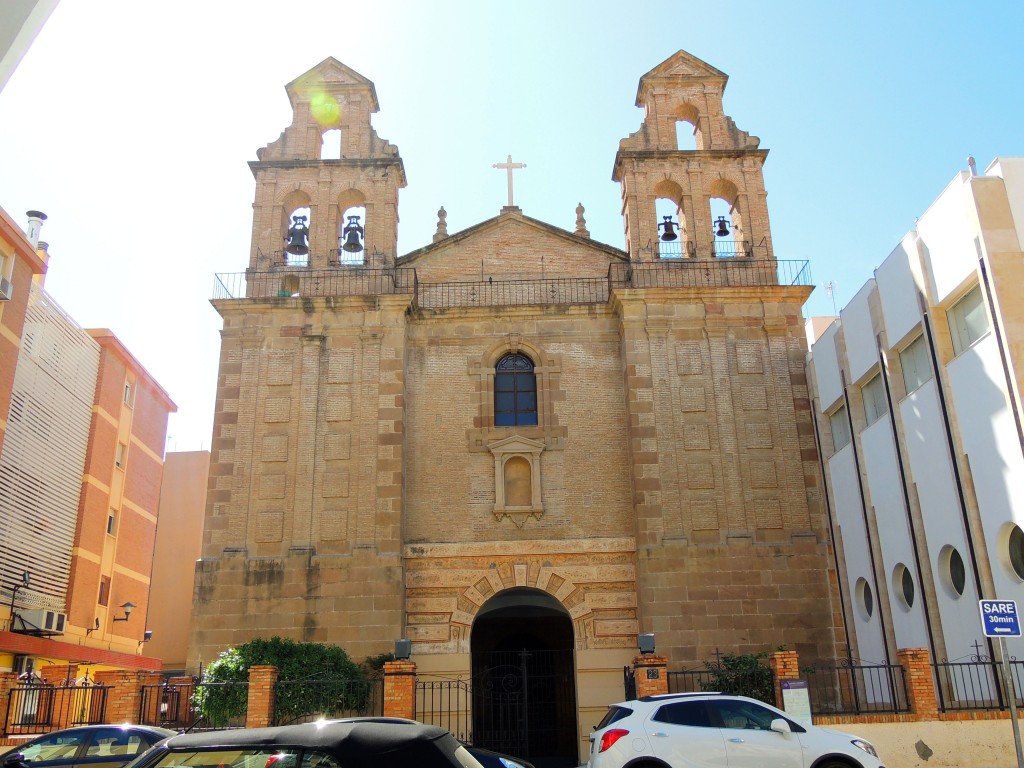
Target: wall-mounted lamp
[646, 643]
[26, 577]
[93, 628]
[127, 608]
[403, 649]
[721, 227]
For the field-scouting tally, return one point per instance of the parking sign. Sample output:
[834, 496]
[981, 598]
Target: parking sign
[999, 618]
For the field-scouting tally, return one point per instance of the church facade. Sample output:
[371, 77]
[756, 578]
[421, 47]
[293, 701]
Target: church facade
[516, 438]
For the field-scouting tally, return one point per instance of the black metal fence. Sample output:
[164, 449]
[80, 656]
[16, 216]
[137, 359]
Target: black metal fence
[303, 701]
[292, 283]
[194, 706]
[39, 708]
[709, 273]
[511, 293]
[757, 682]
[845, 688]
[447, 703]
[977, 684]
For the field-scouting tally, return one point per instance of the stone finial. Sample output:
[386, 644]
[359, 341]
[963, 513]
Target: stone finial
[581, 223]
[442, 225]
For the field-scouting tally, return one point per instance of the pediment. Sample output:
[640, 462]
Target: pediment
[515, 444]
[512, 246]
[680, 67]
[332, 76]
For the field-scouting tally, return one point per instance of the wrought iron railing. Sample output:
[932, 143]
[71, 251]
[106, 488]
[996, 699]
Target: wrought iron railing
[719, 249]
[42, 708]
[506, 293]
[719, 273]
[194, 706]
[757, 682]
[446, 703]
[302, 701]
[845, 688]
[355, 281]
[977, 684]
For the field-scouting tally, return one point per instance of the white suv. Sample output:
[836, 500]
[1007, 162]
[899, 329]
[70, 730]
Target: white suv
[705, 730]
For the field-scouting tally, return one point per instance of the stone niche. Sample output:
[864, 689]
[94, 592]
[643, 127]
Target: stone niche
[517, 487]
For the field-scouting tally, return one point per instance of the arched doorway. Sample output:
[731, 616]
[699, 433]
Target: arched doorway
[524, 681]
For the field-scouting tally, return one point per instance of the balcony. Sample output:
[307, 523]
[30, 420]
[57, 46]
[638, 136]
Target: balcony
[359, 281]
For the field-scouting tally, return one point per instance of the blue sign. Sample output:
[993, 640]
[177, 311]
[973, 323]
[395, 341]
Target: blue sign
[999, 618]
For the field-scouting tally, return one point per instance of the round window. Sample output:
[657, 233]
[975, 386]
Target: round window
[903, 585]
[1016, 545]
[956, 573]
[865, 599]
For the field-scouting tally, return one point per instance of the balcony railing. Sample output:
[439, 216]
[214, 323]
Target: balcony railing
[718, 273]
[355, 281]
[361, 281]
[720, 249]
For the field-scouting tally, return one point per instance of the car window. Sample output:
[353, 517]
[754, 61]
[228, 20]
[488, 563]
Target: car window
[248, 758]
[742, 714]
[56, 746]
[693, 713]
[109, 742]
[614, 713]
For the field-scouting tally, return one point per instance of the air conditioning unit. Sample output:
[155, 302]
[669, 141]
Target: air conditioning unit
[43, 621]
[6, 289]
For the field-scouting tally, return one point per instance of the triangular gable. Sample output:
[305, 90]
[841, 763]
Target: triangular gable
[680, 66]
[331, 76]
[511, 246]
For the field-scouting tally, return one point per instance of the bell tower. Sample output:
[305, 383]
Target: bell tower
[668, 192]
[327, 188]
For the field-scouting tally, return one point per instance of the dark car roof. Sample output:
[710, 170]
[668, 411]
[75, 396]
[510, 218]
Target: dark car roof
[356, 739]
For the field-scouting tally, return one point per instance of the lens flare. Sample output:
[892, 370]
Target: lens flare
[324, 108]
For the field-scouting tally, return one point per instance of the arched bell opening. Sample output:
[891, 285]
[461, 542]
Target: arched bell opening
[728, 237]
[524, 680]
[330, 144]
[673, 237]
[352, 225]
[296, 226]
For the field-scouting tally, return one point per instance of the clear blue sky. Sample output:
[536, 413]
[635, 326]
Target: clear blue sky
[130, 124]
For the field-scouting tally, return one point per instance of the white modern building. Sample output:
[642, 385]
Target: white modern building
[917, 395]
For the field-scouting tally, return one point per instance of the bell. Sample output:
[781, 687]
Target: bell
[353, 234]
[723, 227]
[298, 235]
[669, 227]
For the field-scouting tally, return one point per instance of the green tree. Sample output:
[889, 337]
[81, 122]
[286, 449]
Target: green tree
[741, 675]
[313, 679]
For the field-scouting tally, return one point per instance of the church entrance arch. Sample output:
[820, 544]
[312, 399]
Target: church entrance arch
[524, 680]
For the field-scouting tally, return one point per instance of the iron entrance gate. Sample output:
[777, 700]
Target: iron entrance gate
[524, 703]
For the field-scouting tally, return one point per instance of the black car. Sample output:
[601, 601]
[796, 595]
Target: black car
[323, 744]
[89, 746]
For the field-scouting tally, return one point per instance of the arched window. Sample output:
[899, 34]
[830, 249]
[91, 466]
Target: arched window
[515, 392]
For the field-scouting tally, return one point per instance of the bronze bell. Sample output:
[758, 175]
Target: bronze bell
[722, 227]
[353, 234]
[669, 227]
[298, 236]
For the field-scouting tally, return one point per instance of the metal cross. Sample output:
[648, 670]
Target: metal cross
[509, 166]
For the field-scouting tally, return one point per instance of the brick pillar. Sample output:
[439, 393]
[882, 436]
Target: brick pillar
[785, 665]
[400, 689]
[917, 671]
[124, 699]
[651, 674]
[8, 680]
[260, 712]
[55, 674]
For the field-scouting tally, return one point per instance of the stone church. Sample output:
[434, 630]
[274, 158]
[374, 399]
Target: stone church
[514, 437]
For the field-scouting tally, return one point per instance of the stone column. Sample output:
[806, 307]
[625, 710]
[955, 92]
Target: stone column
[917, 672]
[785, 665]
[651, 675]
[260, 710]
[400, 689]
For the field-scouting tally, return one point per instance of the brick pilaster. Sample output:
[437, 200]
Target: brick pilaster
[400, 689]
[651, 675]
[785, 665]
[8, 680]
[124, 699]
[260, 713]
[917, 671]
